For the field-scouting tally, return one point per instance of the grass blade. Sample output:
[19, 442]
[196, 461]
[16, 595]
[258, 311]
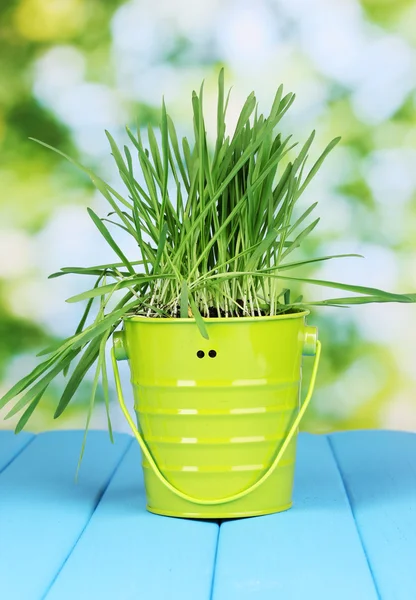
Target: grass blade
[86, 361]
[91, 403]
[198, 318]
[42, 384]
[184, 300]
[22, 422]
[298, 240]
[318, 164]
[358, 289]
[113, 287]
[110, 241]
[301, 263]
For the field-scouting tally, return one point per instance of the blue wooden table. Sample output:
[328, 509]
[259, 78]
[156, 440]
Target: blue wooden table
[351, 534]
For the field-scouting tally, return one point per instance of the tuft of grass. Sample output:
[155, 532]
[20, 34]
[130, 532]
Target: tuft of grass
[214, 230]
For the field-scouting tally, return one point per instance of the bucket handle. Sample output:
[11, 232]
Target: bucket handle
[252, 487]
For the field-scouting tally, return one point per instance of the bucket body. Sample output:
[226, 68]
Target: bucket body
[214, 413]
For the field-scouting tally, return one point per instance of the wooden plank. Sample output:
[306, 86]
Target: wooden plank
[311, 551]
[379, 471]
[43, 511]
[129, 553]
[11, 445]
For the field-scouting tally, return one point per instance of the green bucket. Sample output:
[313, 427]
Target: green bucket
[218, 418]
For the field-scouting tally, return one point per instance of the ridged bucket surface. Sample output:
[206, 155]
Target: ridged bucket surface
[215, 412]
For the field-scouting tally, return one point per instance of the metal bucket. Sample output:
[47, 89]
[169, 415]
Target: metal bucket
[218, 418]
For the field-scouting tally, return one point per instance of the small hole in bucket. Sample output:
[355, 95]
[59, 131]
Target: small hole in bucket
[212, 353]
[200, 354]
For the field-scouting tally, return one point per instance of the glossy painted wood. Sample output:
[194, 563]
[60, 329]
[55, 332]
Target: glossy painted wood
[310, 551]
[379, 471]
[350, 534]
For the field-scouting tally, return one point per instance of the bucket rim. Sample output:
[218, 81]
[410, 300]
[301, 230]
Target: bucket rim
[223, 320]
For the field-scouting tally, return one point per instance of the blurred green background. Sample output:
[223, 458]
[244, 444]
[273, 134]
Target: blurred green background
[71, 68]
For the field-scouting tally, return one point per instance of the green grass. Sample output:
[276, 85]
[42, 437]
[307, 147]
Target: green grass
[214, 229]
